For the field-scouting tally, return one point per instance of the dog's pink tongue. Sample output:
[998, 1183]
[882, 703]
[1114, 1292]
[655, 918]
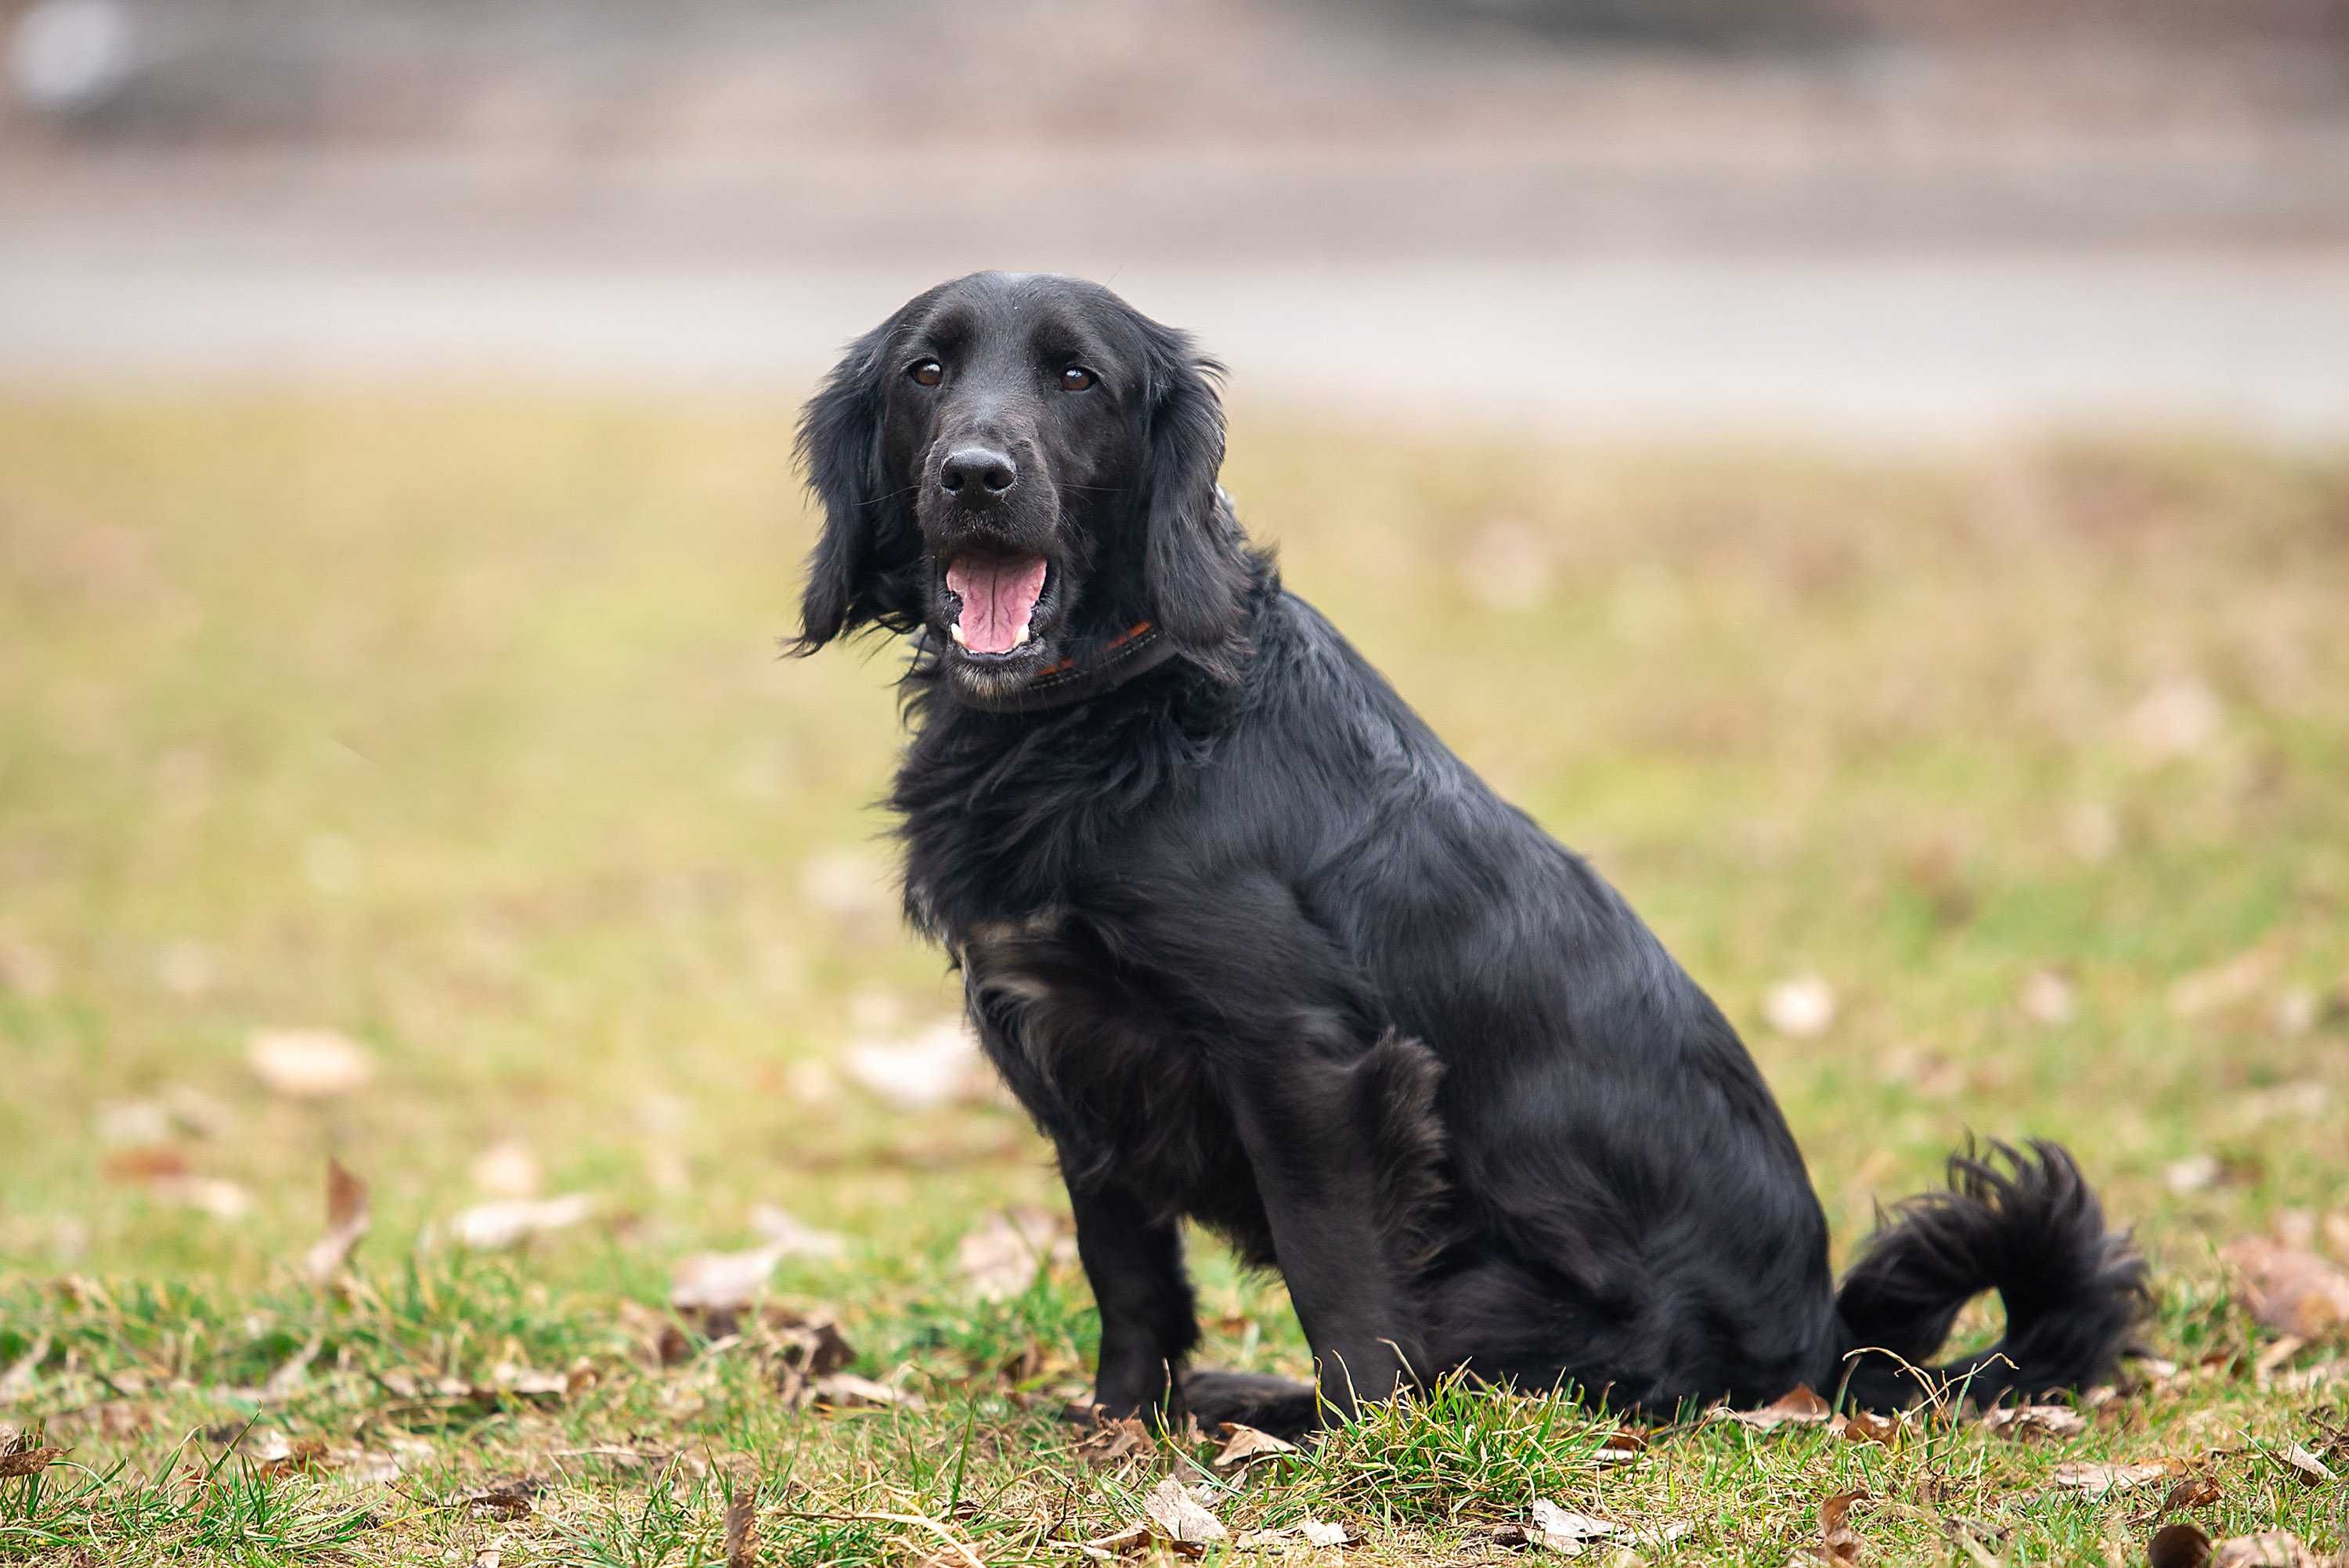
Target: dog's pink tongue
[997, 598]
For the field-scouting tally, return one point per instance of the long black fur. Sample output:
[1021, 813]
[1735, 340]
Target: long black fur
[1255, 949]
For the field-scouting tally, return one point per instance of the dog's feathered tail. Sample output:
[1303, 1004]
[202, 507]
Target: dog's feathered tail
[2024, 1224]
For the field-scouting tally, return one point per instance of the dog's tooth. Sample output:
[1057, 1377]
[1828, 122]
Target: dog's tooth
[1019, 637]
[954, 632]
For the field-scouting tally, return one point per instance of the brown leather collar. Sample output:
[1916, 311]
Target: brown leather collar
[1079, 675]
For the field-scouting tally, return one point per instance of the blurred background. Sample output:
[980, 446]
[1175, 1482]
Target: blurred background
[1891, 217]
[1872, 472]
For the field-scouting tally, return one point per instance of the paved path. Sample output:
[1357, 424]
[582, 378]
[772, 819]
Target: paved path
[1889, 348]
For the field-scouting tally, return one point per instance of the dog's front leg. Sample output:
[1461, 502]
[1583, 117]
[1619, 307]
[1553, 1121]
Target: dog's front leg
[1345, 1154]
[1134, 1260]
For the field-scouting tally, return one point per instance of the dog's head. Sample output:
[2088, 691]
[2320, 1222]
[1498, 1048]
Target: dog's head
[1022, 463]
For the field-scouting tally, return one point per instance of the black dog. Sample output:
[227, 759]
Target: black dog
[1252, 947]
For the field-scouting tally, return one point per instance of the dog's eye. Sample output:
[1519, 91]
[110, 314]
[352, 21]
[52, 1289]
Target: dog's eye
[1076, 379]
[926, 372]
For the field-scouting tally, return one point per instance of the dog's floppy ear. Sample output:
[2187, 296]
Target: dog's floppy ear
[1196, 565]
[865, 567]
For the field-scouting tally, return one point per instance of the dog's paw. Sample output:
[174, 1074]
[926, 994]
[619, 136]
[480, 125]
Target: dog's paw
[1281, 1405]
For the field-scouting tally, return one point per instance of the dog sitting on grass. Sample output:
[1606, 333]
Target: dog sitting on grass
[1255, 948]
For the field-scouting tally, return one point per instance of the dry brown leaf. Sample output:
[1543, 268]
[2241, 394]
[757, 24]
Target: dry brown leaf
[1622, 1447]
[940, 1065]
[1802, 1009]
[1182, 1518]
[1568, 1533]
[2177, 717]
[493, 1227]
[1112, 1442]
[2194, 1491]
[1125, 1542]
[1799, 1406]
[1866, 1427]
[1310, 1531]
[798, 1239]
[501, 1500]
[742, 1527]
[27, 1460]
[309, 1064]
[2306, 1468]
[2290, 1290]
[2035, 1421]
[2274, 1549]
[846, 1389]
[347, 1218]
[1001, 1255]
[2101, 1480]
[508, 1170]
[1839, 1543]
[1243, 1443]
[2047, 998]
[722, 1281]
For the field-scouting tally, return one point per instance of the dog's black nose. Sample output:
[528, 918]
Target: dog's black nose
[976, 475]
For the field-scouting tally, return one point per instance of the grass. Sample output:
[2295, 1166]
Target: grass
[456, 725]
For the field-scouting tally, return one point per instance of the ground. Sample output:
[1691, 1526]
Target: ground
[413, 781]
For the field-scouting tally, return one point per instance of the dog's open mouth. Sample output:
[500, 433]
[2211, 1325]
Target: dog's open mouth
[995, 601]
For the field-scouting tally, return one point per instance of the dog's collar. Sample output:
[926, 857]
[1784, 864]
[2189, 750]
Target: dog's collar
[1085, 673]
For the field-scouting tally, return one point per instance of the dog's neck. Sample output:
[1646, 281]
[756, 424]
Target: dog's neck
[1085, 671]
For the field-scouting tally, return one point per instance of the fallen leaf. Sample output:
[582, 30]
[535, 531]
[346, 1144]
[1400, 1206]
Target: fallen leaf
[2177, 717]
[1622, 1446]
[310, 1063]
[2194, 1491]
[2194, 1173]
[2263, 1369]
[1566, 1531]
[2035, 1421]
[1180, 1517]
[2306, 1468]
[2224, 985]
[999, 1258]
[1839, 1543]
[742, 1527]
[1125, 1542]
[2099, 1479]
[1802, 1009]
[347, 1218]
[795, 1236]
[132, 1123]
[848, 884]
[493, 1227]
[1112, 1442]
[848, 1388]
[2047, 998]
[1866, 1427]
[27, 1460]
[1311, 1532]
[508, 1170]
[941, 1066]
[2274, 1549]
[500, 1500]
[213, 1195]
[2290, 1290]
[1243, 1443]
[1800, 1406]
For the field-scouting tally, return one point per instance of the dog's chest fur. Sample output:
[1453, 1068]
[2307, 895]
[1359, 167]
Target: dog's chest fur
[1083, 1033]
